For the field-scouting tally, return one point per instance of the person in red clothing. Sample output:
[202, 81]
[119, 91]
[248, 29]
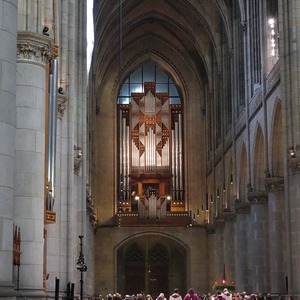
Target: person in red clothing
[191, 295]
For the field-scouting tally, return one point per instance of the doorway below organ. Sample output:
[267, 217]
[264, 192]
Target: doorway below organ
[149, 265]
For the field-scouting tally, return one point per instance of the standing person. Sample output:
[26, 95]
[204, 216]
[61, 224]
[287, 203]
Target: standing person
[191, 295]
[149, 297]
[175, 295]
[161, 296]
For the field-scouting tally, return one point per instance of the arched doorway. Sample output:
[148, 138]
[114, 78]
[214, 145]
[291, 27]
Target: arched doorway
[151, 265]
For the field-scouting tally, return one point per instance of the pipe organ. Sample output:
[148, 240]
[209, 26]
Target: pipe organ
[150, 153]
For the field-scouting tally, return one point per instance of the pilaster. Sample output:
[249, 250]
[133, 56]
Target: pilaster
[259, 240]
[277, 238]
[242, 230]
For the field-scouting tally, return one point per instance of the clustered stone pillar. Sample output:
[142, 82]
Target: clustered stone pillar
[242, 253]
[277, 238]
[33, 54]
[259, 241]
[229, 261]
[289, 88]
[8, 38]
[294, 192]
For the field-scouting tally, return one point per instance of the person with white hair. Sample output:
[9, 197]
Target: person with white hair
[175, 295]
[161, 296]
[226, 294]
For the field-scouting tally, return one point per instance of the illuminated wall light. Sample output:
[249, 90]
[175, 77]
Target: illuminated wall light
[231, 179]
[218, 193]
[292, 152]
[273, 33]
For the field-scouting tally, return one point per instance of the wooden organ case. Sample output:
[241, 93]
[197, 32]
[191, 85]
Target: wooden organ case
[150, 155]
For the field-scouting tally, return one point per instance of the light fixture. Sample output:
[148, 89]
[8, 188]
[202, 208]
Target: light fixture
[292, 152]
[231, 179]
[272, 36]
[78, 152]
[45, 31]
[136, 198]
[218, 193]
[81, 266]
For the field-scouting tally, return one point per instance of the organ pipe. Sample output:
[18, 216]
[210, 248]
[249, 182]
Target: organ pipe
[50, 108]
[177, 160]
[52, 129]
[54, 119]
[124, 158]
[180, 155]
[127, 161]
[173, 165]
[151, 143]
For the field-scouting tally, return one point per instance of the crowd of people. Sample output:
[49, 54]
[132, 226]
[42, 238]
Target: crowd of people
[192, 295]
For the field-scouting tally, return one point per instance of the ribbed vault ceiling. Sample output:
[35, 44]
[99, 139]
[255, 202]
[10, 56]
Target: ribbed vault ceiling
[126, 30]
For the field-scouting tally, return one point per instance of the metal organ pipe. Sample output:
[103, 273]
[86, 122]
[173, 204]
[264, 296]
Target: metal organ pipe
[52, 122]
[173, 165]
[180, 156]
[50, 108]
[120, 154]
[127, 160]
[177, 160]
[123, 157]
[54, 119]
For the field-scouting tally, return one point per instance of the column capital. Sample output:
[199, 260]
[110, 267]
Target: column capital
[242, 207]
[274, 184]
[228, 215]
[34, 48]
[210, 229]
[295, 165]
[257, 197]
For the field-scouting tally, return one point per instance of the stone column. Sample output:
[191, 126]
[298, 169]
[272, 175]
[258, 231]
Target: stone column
[289, 32]
[259, 241]
[242, 246]
[275, 188]
[56, 254]
[294, 203]
[229, 245]
[33, 54]
[8, 38]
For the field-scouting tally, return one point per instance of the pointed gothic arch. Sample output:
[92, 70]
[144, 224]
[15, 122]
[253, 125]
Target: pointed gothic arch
[277, 167]
[259, 160]
[243, 178]
[148, 263]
